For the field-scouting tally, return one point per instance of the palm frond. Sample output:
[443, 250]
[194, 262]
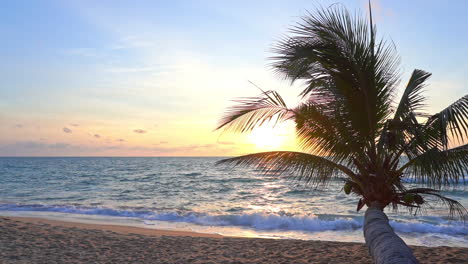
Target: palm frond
[251, 112]
[324, 132]
[436, 132]
[452, 121]
[311, 169]
[436, 167]
[333, 51]
[403, 134]
[433, 197]
[412, 98]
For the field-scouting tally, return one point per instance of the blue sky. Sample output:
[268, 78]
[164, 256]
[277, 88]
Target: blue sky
[169, 68]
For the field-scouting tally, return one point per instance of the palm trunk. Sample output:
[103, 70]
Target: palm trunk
[384, 245]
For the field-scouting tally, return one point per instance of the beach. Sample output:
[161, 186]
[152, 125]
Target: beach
[192, 193]
[35, 240]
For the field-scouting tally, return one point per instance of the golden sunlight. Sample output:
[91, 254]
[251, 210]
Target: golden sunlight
[268, 138]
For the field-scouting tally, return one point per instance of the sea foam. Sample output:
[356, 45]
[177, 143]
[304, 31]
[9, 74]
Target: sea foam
[257, 221]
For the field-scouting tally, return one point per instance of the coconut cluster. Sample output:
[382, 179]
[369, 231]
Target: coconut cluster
[413, 198]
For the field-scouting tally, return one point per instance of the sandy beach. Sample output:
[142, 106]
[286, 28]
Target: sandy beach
[34, 240]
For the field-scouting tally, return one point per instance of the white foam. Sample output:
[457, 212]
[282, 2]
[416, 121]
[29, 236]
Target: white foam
[257, 221]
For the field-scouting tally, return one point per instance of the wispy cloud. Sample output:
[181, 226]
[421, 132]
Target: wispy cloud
[74, 125]
[226, 143]
[67, 130]
[97, 136]
[379, 11]
[139, 131]
[19, 125]
[37, 148]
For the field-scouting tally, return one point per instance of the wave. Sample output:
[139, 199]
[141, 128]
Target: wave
[191, 174]
[257, 221]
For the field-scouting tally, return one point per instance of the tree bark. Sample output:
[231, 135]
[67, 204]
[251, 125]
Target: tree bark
[384, 245]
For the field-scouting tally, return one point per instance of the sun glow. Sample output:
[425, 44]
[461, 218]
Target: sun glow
[268, 138]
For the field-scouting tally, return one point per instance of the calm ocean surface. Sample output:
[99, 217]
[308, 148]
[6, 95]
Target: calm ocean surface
[194, 194]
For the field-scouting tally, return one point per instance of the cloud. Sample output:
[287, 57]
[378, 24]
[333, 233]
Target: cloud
[226, 143]
[36, 145]
[163, 142]
[97, 136]
[67, 130]
[120, 140]
[19, 125]
[379, 12]
[207, 146]
[75, 125]
[37, 148]
[139, 131]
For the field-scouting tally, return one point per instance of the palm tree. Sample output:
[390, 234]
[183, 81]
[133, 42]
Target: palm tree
[350, 126]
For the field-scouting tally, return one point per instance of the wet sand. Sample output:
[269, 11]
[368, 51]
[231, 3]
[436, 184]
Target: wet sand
[34, 240]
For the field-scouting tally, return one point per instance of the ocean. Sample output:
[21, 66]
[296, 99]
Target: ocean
[192, 194]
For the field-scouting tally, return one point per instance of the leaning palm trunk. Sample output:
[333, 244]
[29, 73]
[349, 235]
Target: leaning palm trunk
[384, 245]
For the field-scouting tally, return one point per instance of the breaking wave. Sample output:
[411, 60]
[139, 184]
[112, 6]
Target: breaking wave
[257, 221]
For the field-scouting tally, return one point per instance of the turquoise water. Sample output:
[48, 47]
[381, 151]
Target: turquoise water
[194, 194]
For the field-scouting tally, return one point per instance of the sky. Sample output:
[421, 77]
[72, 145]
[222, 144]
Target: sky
[152, 78]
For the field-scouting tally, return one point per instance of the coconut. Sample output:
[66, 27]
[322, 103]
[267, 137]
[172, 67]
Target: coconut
[418, 199]
[408, 198]
[347, 188]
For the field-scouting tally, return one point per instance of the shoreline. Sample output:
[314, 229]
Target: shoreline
[121, 229]
[38, 240]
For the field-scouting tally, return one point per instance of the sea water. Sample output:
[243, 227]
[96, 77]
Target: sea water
[193, 194]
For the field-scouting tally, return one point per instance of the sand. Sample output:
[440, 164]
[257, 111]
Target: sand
[33, 240]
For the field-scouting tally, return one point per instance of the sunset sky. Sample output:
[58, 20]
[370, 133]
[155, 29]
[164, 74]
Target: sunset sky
[152, 78]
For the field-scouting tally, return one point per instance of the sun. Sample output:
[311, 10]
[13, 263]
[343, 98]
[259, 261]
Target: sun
[268, 138]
